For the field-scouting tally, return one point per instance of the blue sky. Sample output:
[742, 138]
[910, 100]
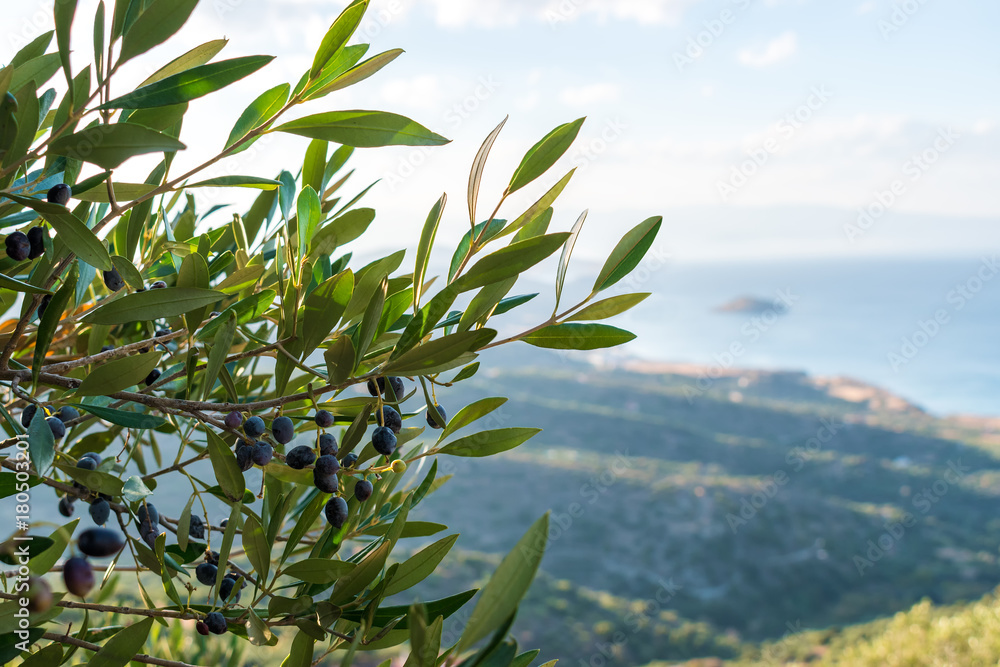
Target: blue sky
[874, 83]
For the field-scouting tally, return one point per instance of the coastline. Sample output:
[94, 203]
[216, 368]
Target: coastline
[866, 396]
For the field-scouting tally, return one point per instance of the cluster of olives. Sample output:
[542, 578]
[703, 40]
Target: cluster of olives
[377, 387]
[21, 246]
[100, 542]
[56, 422]
[214, 622]
[322, 459]
[149, 520]
[100, 504]
[206, 573]
[96, 542]
[78, 575]
[251, 451]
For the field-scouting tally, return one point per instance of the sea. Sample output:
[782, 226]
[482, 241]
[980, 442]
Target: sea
[928, 330]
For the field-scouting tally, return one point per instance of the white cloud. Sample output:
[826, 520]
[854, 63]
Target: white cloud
[527, 102]
[645, 12]
[983, 126]
[505, 13]
[780, 48]
[590, 95]
[419, 92]
[838, 162]
[866, 8]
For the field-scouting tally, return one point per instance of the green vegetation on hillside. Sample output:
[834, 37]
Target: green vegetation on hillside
[733, 498]
[963, 634]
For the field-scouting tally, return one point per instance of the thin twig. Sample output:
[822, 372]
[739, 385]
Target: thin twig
[142, 657]
[114, 609]
[176, 466]
[117, 353]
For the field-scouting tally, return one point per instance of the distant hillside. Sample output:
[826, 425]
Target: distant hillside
[762, 501]
[964, 634]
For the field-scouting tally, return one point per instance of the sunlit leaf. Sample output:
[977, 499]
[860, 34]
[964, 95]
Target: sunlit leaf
[340, 358]
[482, 233]
[507, 586]
[363, 129]
[337, 35]
[128, 272]
[124, 192]
[157, 22]
[472, 412]
[257, 548]
[237, 182]
[359, 578]
[535, 210]
[614, 305]
[63, 12]
[189, 84]
[61, 536]
[566, 254]
[478, 165]
[437, 355]
[199, 55]
[16, 285]
[424, 247]
[359, 72]
[341, 230]
[576, 336]
[96, 480]
[544, 154]
[50, 322]
[324, 307]
[628, 253]
[260, 110]
[217, 354]
[510, 260]
[108, 146]
[488, 443]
